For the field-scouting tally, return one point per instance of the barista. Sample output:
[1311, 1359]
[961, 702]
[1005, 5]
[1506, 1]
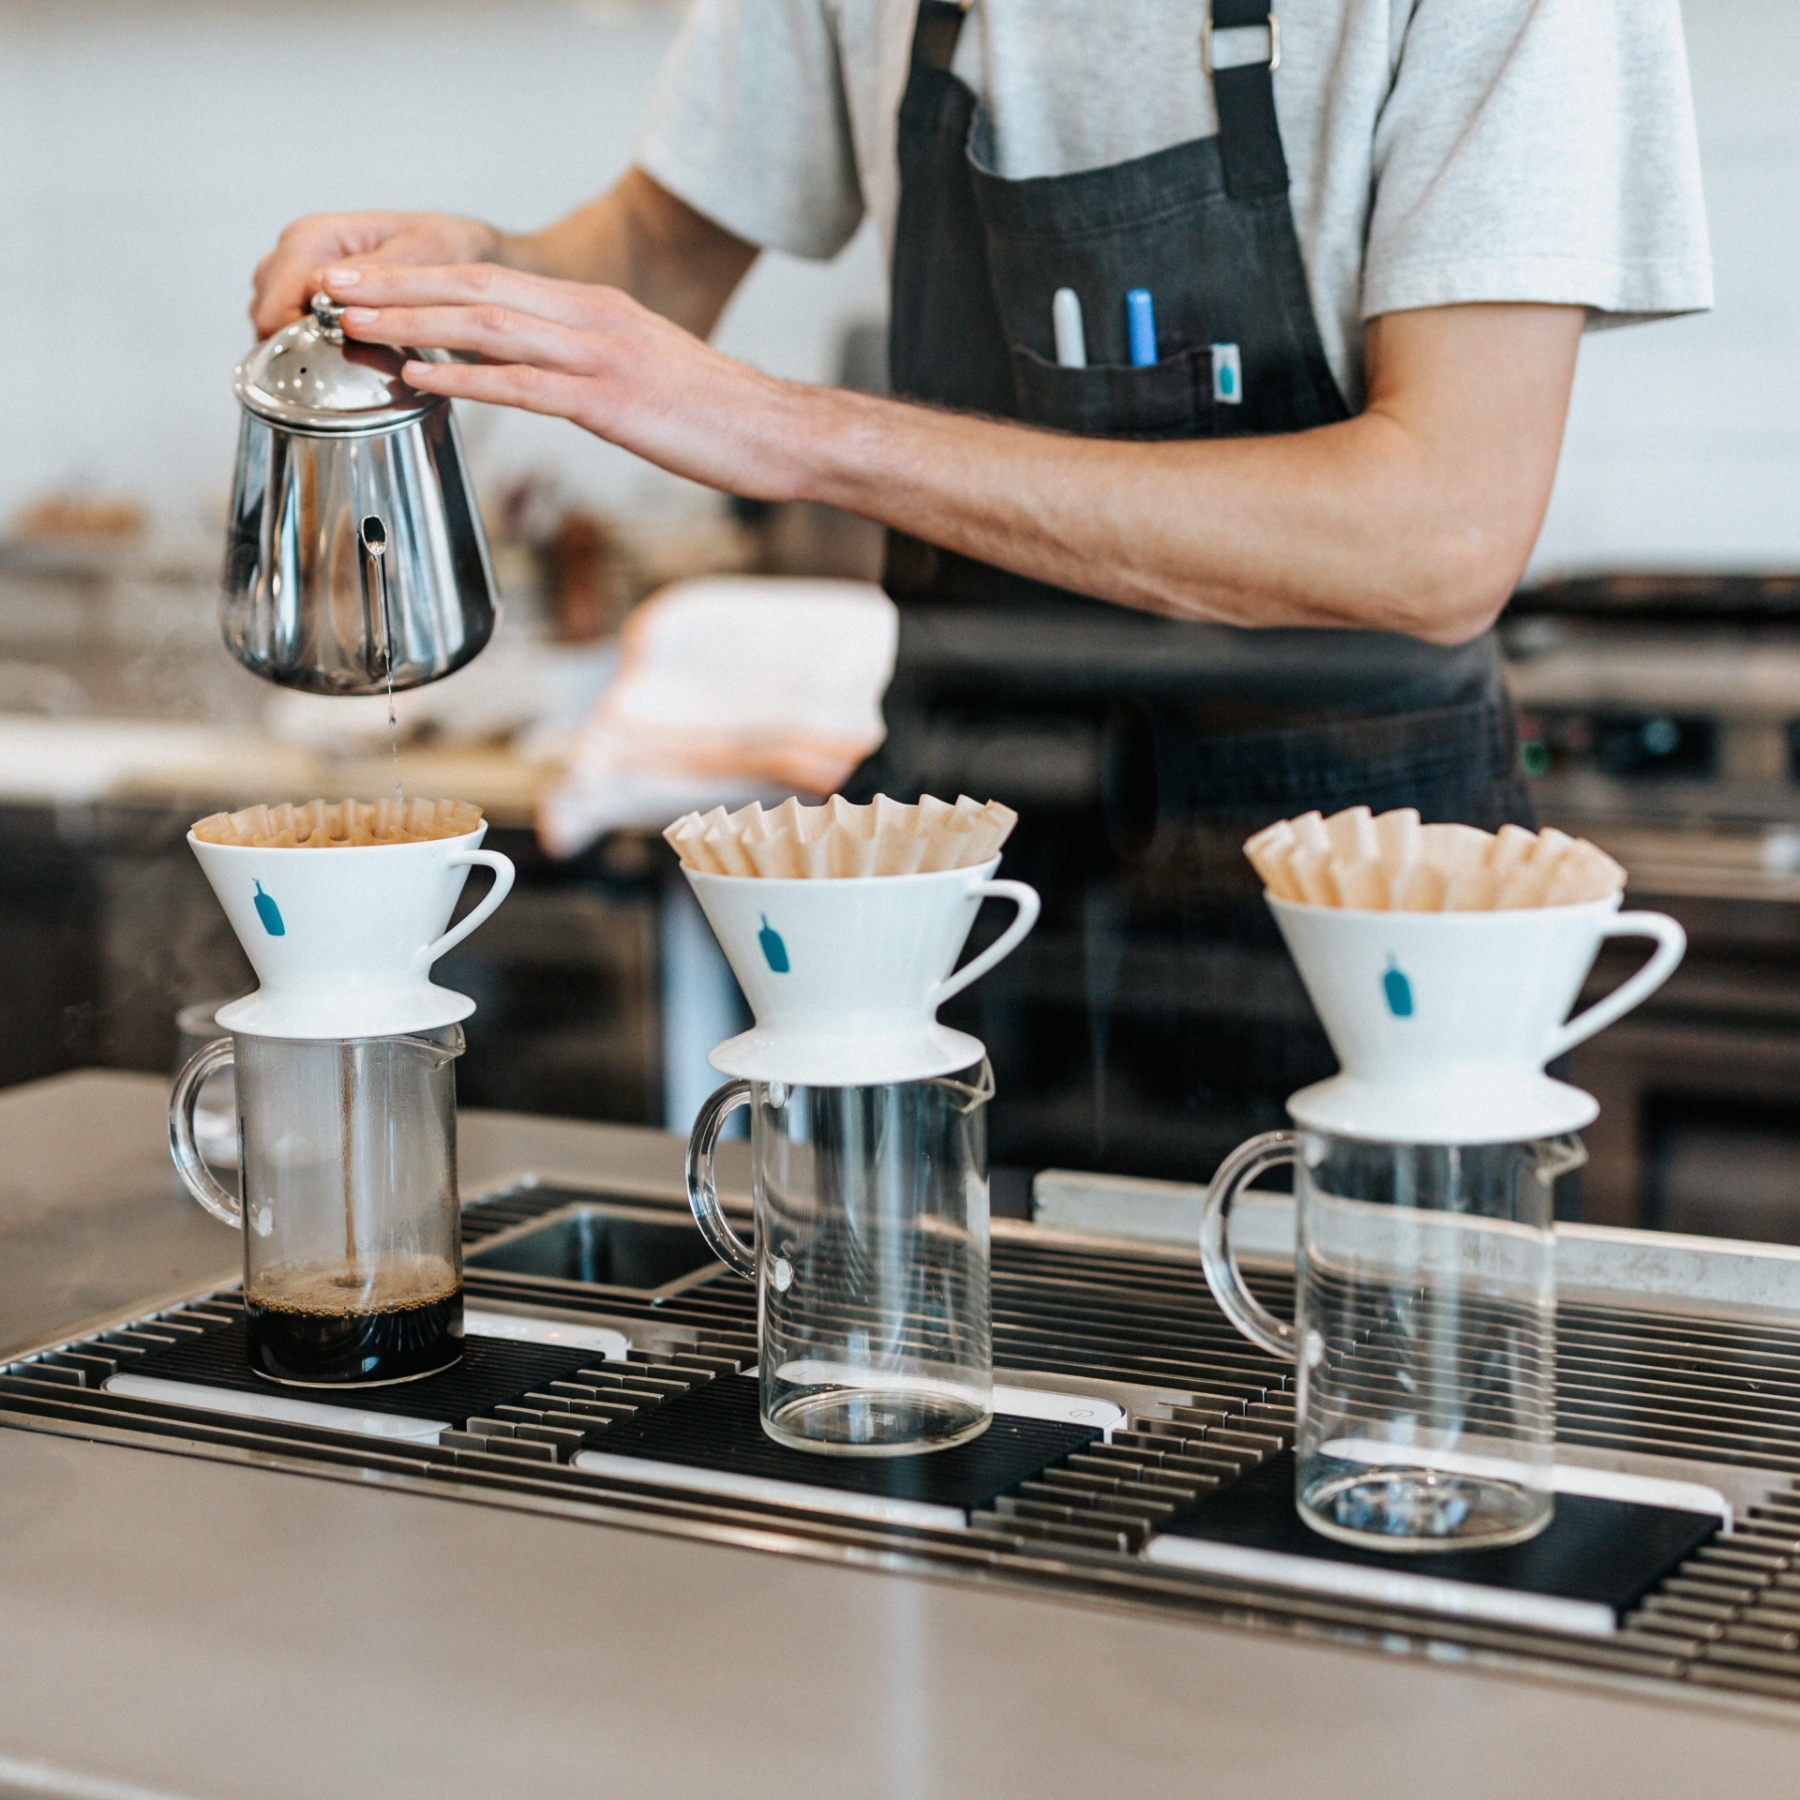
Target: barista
[1227, 548]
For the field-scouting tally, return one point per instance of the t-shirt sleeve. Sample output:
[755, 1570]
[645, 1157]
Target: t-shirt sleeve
[1539, 150]
[749, 125]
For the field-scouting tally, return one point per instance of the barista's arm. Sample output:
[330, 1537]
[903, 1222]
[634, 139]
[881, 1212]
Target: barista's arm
[1417, 516]
[637, 237]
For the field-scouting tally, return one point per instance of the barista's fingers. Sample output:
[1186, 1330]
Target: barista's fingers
[469, 285]
[558, 395]
[287, 277]
[429, 240]
[497, 333]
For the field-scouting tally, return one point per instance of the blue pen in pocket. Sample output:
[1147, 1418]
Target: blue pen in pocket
[1140, 325]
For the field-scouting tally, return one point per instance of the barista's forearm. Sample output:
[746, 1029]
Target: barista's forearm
[1338, 526]
[1417, 516]
[639, 238]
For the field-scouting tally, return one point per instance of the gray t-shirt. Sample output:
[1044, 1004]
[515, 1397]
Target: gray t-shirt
[1441, 151]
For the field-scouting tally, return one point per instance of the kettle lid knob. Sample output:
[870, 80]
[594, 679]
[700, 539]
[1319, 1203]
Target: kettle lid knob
[329, 317]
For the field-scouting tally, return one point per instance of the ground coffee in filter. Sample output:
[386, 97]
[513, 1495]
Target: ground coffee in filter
[340, 824]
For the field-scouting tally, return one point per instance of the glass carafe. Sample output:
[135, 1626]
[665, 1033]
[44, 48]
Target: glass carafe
[1424, 1332]
[870, 1261]
[347, 1201]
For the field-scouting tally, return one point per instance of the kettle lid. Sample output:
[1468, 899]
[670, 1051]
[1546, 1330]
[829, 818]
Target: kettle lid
[309, 378]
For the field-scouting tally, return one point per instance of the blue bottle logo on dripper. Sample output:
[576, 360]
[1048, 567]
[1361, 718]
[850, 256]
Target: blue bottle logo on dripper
[1398, 991]
[773, 949]
[269, 913]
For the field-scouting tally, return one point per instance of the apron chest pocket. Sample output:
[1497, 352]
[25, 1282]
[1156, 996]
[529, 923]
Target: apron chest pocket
[1168, 399]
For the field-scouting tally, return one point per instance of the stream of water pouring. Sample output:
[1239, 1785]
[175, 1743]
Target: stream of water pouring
[394, 737]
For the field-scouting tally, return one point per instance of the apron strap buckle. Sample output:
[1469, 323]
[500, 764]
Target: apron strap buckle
[1208, 26]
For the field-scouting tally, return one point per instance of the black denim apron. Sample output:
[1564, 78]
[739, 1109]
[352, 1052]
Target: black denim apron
[1154, 1018]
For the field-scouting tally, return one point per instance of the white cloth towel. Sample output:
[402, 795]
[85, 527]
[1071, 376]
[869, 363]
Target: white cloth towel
[729, 689]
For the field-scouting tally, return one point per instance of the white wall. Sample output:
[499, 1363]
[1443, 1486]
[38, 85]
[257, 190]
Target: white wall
[1683, 447]
[149, 153]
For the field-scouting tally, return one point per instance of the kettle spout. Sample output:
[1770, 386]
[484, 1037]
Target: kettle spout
[378, 652]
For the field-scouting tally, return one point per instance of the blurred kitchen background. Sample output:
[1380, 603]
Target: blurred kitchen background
[149, 154]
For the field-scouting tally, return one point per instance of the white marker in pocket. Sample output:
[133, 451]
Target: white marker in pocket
[1065, 321]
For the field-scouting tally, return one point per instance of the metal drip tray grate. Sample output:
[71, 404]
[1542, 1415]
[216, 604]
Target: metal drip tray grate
[1586, 1572]
[1684, 1393]
[493, 1372]
[715, 1430]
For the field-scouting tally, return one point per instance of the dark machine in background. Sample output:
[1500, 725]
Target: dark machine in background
[1661, 718]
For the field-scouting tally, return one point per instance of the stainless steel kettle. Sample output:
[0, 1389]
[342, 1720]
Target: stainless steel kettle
[356, 561]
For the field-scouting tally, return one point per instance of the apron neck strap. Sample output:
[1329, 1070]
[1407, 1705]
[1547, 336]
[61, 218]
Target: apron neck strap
[939, 25]
[1249, 137]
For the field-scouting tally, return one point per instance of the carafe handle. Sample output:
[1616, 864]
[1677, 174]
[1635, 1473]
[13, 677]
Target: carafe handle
[1250, 1159]
[702, 1186]
[190, 1165]
[503, 880]
[1026, 900]
[1671, 944]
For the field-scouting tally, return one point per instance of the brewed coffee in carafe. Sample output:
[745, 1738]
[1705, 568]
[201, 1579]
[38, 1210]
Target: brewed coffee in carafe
[344, 1061]
[352, 1239]
[368, 1130]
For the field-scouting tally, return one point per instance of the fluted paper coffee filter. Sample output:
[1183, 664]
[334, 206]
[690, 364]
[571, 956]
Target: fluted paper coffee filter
[841, 839]
[340, 824]
[1392, 863]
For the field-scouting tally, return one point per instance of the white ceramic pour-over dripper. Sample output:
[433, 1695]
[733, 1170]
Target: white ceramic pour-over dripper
[845, 974]
[1443, 1021]
[343, 939]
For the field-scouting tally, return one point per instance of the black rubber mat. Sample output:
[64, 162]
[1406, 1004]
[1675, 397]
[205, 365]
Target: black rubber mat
[493, 1372]
[1609, 1551]
[716, 1427]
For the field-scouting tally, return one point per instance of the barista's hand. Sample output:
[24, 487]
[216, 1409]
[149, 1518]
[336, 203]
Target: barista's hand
[287, 278]
[589, 354]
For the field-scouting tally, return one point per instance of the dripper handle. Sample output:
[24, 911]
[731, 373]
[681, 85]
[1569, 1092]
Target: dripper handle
[1026, 900]
[1250, 1159]
[1671, 945]
[702, 1185]
[503, 880]
[190, 1165]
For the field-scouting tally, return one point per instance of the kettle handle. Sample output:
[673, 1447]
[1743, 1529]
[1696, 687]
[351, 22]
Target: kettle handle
[503, 880]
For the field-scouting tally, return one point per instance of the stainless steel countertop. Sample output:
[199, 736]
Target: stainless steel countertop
[178, 1627]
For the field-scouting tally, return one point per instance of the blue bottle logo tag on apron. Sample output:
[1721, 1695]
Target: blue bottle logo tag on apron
[773, 949]
[1228, 374]
[1398, 990]
[269, 913]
